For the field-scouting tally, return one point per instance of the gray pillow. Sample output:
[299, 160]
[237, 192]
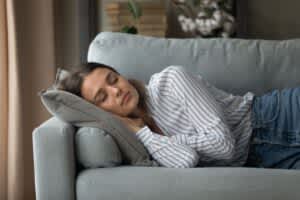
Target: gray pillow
[78, 112]
[95, 148]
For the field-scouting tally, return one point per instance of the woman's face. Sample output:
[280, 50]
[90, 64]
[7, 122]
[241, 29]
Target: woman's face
[110, 91]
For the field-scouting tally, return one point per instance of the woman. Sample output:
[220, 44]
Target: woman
[183, 121]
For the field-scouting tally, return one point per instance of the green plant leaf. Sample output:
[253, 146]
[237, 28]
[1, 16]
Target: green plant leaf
[196, 2]
[129, 29]
[135, 9]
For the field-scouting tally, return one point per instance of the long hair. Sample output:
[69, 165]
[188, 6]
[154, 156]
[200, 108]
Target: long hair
[140, 87]
[73, 82]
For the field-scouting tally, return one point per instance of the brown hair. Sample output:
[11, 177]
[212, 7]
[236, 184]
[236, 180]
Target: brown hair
[73, 82]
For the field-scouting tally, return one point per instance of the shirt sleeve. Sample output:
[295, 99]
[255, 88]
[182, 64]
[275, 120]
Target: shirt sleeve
[167, 151]
[213, 138]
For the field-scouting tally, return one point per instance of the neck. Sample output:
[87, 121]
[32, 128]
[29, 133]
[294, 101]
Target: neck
[137, 113]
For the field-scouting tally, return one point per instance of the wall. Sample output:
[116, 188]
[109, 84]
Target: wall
[66, 33]
[269, 19]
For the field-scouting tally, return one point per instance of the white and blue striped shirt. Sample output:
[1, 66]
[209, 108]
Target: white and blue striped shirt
[202, 125]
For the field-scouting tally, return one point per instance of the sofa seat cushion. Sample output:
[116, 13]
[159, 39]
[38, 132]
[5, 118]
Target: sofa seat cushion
[157, 183]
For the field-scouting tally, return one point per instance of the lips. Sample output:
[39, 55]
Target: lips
[125, 98]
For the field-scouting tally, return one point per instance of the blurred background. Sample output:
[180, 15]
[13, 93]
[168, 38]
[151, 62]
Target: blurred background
[37, 37]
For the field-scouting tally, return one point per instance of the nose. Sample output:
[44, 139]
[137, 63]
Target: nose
[116, 91]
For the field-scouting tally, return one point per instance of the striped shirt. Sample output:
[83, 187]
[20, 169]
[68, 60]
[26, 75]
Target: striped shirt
[202, 125]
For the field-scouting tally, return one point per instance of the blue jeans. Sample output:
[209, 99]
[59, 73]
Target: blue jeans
[275, 141]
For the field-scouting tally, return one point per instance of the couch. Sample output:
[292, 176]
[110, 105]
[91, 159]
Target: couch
[235, 65]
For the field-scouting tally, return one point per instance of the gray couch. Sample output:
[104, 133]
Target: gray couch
[234, 65]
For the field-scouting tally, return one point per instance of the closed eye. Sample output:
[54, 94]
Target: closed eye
[101, 96]
[113, 79]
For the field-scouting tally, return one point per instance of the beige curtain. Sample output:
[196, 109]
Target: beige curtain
[27, 65]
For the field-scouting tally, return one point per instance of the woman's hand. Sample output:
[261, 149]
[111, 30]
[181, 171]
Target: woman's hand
[134, 124]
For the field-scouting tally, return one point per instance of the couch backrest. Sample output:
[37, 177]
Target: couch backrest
[235, 65]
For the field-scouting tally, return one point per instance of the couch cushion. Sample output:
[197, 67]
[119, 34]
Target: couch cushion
[95, 148]
[159, 183]
[75, 110]
[234, 65]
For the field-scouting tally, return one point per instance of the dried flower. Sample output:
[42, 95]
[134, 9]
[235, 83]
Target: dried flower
[207, 18]
[181, 18]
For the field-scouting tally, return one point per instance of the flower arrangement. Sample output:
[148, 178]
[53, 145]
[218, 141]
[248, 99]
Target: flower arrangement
[206, 18]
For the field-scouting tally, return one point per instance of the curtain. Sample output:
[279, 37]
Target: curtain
[27, 65]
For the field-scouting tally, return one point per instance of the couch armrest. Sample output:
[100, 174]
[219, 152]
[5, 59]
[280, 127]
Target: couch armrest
[54, 160]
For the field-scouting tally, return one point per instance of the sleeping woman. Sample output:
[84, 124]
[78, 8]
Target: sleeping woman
[184, 121]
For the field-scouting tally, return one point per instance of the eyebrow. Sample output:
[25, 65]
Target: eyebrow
[99, 90]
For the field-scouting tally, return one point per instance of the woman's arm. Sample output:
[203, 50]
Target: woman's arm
[167, 151]
[164, 150]
[213, 138]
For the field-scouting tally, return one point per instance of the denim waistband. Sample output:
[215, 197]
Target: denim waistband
[265, 109]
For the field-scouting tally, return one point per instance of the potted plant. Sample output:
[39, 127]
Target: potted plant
[136, 11]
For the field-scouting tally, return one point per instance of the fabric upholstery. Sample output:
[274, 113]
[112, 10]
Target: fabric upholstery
[96, 148]
[54, 160]
[144, 183]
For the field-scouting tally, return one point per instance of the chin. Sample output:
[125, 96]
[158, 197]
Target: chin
[133, 108]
